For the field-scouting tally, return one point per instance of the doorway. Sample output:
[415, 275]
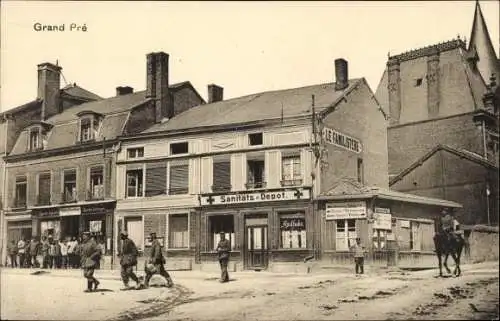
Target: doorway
[256, 239]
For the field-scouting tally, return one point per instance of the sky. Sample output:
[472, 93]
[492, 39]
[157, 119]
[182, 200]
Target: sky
[245, 47]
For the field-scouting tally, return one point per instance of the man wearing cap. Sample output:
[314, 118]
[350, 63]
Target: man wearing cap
[89, 255]
[128, 259]
[223, 249]
[155, 262]
[359, 256]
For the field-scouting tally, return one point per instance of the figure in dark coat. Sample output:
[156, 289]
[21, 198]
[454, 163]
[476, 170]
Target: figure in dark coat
[89, 254]
[223, 249]
[156, 263]
[128, 259]
[34, 251]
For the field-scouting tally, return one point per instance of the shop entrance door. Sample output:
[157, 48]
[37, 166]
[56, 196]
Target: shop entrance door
[256, 247]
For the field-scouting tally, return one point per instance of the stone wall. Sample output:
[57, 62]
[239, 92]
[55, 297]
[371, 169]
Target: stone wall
[481, 244]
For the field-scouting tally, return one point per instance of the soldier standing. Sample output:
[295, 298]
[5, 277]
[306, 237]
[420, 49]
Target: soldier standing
[89, 254]
[128, 259]
[223, 249]
[157, 260]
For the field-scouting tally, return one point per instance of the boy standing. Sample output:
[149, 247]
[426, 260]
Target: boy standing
[359, 256]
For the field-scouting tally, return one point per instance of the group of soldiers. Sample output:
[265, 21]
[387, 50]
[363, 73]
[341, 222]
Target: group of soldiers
[128, 260]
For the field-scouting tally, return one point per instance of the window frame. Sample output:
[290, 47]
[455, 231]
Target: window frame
[256, 134]
[140, 183]
[38, 134]
[173, 145]
[299, 214]
[168, 244]
[294, 180]
[252, 184]
[63, 184]
[90, 190]
[95, 125]
[169, 176]
[38, 187]
[346, 230]
[136, 151]
[18, 183]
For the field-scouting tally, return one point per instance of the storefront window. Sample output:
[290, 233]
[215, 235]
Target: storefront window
[346, 234]
[293, 231]
[178, 231]
[221, 223]
[50, 229]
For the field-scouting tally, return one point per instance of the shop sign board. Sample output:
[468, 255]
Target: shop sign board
[333, 137]
[46, 212]
[70, 211]
[382, 221]
[255, 197]
[345, 210]
[96, 209]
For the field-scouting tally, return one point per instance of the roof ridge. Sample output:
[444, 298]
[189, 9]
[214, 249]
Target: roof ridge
[427, 50]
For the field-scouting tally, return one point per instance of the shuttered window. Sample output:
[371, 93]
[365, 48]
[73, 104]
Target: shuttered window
[178, 231]
[44, 189]
[179, 178]
[222, 176]
[156, 178]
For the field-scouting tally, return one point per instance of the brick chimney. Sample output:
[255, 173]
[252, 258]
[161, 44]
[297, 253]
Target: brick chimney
[49, 84]
[341, 74]
[215, 93]
[124, 90]
[157, 87]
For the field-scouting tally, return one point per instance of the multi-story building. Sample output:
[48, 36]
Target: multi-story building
[443, 102]
[12, 122]
[60, 171]
[252, 167]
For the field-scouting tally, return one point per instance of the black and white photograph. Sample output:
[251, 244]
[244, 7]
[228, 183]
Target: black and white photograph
[249, 160]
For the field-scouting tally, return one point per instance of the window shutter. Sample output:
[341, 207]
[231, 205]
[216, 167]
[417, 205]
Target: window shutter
[222, 176]
[156, 179]
[179, 179]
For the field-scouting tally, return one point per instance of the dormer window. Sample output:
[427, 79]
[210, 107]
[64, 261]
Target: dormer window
[37, 136]
[35, 139]
[89, 126]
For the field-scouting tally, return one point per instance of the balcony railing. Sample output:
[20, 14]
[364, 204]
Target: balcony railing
[221, 188]
[20, 203]
[43, 199]
[97, 193]
[255, 185]
[69, 197]
[291, 182]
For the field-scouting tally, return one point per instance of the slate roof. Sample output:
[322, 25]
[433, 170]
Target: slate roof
[79, 92]
[347, 188]
[256, 107]
[116, 111]
[457, 151]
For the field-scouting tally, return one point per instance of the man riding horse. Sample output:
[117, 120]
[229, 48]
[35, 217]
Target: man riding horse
[448, 241]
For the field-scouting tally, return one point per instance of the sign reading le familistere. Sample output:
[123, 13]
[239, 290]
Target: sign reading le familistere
[253, 197]
[336, 138]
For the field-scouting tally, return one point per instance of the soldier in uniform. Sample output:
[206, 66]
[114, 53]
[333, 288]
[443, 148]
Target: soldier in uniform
[89, 254]
[223, 249]
[157, 260]
[128, 259]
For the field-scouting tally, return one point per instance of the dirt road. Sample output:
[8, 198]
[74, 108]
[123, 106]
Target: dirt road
[389, 296]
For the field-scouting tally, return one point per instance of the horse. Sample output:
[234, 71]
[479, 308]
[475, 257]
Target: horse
[447, 244]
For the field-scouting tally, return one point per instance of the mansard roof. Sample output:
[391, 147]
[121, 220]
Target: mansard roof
[115, 112]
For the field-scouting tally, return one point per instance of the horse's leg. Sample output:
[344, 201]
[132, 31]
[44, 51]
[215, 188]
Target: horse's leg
[440, 263]
[445, 263]
[455, 259]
